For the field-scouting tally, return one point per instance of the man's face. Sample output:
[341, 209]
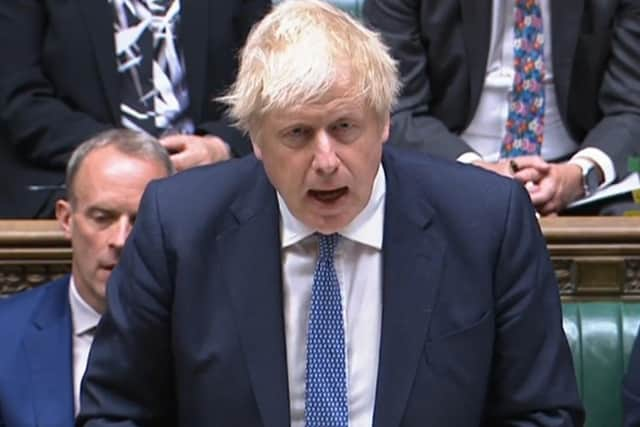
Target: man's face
[323, 157]
[107, 188]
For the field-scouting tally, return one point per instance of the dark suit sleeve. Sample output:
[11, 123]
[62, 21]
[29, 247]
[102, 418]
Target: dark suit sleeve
[533, 380]
[248, 14]
[631, 388]
[413, 126]
[32, 114]
[618, 132]
[129, 377]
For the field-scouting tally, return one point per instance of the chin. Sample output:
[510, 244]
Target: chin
[332, 224]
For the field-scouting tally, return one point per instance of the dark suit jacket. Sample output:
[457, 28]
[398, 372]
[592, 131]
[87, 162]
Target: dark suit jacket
[631, 388]
[36, 380]
[442, 47]
[59, 84]
[471, 323]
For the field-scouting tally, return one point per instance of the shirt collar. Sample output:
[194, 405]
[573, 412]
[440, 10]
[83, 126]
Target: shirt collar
[83, 316]
[366, 228]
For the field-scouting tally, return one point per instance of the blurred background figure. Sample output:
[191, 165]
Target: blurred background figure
[73, 69]
[544, 91]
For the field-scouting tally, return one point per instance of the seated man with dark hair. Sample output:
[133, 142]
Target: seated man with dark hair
[46, 332]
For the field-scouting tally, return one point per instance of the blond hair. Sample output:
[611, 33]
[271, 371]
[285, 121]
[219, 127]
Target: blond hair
[301, 50]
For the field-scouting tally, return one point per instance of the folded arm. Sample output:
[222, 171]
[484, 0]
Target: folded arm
[413, 126]
[33, 113]
[618, 132]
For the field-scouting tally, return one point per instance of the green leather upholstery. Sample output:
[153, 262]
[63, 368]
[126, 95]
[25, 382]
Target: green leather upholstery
[601, 336]
[352, 6]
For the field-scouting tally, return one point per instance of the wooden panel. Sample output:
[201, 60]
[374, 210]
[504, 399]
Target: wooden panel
[589, 230]
[31, 252]
[594, 257]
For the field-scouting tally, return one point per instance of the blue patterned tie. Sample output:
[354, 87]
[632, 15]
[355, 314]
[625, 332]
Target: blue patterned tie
[525, 123]
[326, 376]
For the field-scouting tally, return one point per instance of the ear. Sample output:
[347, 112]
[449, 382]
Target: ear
[64, 217]
[257, 151]
[256, 145]
[385, 129]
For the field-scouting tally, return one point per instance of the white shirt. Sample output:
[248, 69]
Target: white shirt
[84, 319]
[486, 131]
[358, 264]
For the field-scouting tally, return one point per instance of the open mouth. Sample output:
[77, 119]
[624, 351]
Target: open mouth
[328, 196]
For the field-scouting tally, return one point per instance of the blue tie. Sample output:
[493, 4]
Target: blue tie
[326, 376]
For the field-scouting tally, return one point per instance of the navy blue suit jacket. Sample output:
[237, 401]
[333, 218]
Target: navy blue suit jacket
[36, 383]
[471, 322]
[631, 387]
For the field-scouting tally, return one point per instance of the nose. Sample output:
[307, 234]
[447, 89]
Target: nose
[120, 232]
[325, 158]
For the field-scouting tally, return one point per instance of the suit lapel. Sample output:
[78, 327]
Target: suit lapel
[252, 271]
[476, 26]
[566, 18]
[193, 34]
[47, 346]
[412, 263]
[98, 17]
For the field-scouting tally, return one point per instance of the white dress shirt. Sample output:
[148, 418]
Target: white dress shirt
[358, 264]
[84, 319]
[486, 131]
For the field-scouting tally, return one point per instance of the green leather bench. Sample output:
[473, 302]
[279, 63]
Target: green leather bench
[352, 6]
[601, 336]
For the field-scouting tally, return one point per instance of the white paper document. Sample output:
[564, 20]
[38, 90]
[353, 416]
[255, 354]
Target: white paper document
[630, 183]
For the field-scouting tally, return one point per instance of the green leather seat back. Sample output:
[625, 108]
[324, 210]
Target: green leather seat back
[601, 336]
[352, 6]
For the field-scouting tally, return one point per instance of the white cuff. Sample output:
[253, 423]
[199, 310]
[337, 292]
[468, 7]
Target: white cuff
[469, 157]
[603, 161]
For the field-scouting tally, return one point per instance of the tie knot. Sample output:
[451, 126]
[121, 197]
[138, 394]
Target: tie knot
[328, 244]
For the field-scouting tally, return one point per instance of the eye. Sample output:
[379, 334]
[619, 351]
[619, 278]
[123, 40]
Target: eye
[345, 130]
[343, 125]
[297, 132]
[296, 135]
[101, 217]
